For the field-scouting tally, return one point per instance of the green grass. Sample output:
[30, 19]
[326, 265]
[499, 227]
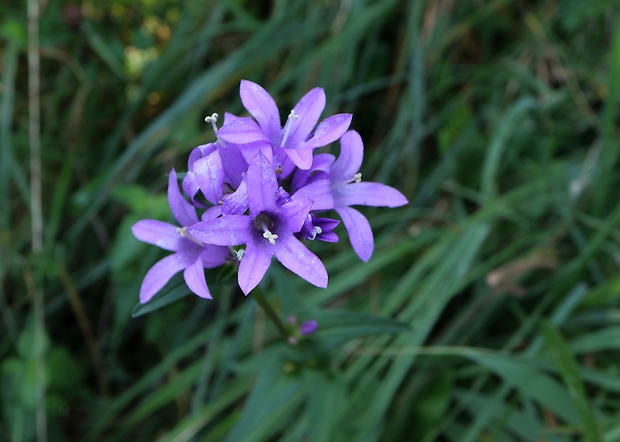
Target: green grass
[490, 309]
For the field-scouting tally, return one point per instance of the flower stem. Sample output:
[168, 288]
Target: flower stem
[262, 301]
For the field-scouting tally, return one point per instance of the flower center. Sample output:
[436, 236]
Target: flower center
[264, 223]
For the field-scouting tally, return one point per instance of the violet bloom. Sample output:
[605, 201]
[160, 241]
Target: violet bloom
[348, 189]
[308, 327]
[296, 140]
[267, 231]
[190, 255]
[337, 184]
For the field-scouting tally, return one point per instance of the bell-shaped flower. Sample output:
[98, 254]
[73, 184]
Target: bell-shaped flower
[190, 255]
[300, 134]
[337, 184]
[267, 231]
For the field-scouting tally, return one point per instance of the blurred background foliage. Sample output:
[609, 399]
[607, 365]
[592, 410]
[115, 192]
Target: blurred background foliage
[497, 119]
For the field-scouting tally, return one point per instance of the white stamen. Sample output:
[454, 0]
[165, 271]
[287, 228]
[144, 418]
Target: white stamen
[183, 232]
[357, 177]
[318, 230]
[271, 237]
[268, 235]
[291, 116]
[212, 119]
[239, 254]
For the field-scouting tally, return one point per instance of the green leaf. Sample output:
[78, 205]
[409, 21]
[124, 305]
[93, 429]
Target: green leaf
[532, 383]
[170, 293]
[569, 369]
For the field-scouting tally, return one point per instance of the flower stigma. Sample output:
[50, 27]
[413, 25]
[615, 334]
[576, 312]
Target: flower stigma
[291, 116]
[212, 119]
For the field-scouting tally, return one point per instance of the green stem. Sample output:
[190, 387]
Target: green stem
[262, 301]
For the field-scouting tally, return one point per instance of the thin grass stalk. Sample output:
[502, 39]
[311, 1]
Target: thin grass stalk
[6, 112]
[34, 135]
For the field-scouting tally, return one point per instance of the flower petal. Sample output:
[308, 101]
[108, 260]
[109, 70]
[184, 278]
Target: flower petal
[229, 230]
[261, 185]
[199, 152]
[159, 233]
[214, 256]
[236, 203]
[189, 184]
[309, 110]
[211, 213]
[194, 276]
[209, 175]
[302, 158]
[253, 266]
[250, 150]
[235, 166]
[320, 192]
[182, 210]
[329, 130]
[261, 106]
[368, 194]
[241, 131]
[296, 212]
[351, 156]
[360, 233]
[320, 163]
[160, 274]
[298, 259]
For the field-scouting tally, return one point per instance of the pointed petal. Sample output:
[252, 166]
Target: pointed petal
[181, 209]
[241, 131]
[329, 130]
[211, 213]
[236, 203]
[160, 274]
[327, 237]
[189, 184]
[158, 233]
[261, 106]
[253, 266]
[302, 158]
[320, 192]
[309, 110]
[194, 276]
[198, 152]
[295, 213]
[209, 175]
[351, 156]
[320, 163]
[250, 150]
[235, 166]
[261, 184]
[368, 194]
[298, 259]
[228, 230]
[360, 233]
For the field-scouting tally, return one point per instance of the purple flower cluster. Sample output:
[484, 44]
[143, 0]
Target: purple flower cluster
[262, 191]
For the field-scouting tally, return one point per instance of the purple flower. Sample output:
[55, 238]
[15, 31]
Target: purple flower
[308, 327]
[267, 231]
[337, 184]
[190, 255]
[348, 189]
[296, 140]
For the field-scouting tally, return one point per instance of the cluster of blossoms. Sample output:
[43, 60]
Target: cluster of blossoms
[261, 192]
